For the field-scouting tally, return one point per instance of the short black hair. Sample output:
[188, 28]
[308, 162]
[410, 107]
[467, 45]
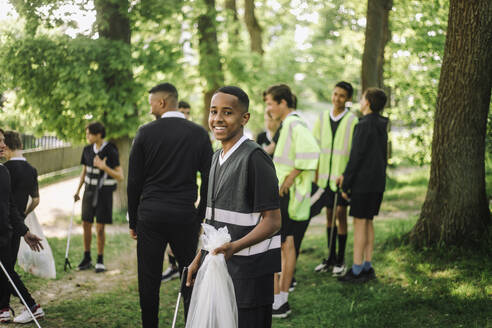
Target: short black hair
[96, 128]
[183, 104]
[347, 87]
[377, 99]
[165, 87]
[13, 140]
[242, 96]
[282, 91]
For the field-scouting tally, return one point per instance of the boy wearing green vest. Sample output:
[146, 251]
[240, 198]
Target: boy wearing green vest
[333, 130]
[296, 159]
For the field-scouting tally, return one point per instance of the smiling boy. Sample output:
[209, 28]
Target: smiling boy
[243, 196]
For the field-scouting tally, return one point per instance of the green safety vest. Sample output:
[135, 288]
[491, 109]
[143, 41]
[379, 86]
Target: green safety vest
[297, 148]
[332, 162]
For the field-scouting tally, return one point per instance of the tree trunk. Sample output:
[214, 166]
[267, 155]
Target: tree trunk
[455, 211]
[233, 31]
[253, 26]
[376, 36]
[210, 66]
[113, 23]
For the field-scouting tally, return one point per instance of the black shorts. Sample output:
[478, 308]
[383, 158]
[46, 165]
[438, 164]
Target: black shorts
[258, 317]
[365, 205]
[103, 210]
[330, 198]
[290, 227]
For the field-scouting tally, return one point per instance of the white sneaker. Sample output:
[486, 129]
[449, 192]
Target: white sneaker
[5, 315]
[26, 317]
[100, 267]
[170, 273]
[339, 270]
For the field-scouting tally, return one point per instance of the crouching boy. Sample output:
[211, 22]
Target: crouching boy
[243, 196]
[364, 179]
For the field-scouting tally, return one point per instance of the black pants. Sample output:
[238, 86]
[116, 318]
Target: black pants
[6, 288]
[258, 317]
[152, 239]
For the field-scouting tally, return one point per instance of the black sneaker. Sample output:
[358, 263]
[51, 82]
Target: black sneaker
[169, 274]
[325, 266]
[85, 264]
[282, 312]
[350, 277]
[293, 284]
[369, 274]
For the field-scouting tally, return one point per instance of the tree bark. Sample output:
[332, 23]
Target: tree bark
[253, 26]
[376, 36]
[455, 211]
[210, 65]
[233, 31]
[113, 23]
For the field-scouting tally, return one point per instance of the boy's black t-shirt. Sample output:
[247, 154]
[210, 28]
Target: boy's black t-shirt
[93, 174]
[262, 139]
[24, 182]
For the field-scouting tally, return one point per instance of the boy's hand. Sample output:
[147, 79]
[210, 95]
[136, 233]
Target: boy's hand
[227, 249]
[76, 197]
[345, 196]
[339, 181]
[99, 163]
[284, 188]
[192, 269]
[33, 241]
[133, 234]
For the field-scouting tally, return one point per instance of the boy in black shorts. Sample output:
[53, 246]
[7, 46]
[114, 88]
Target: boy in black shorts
[243, 196]
[100, 173]
[365, 179]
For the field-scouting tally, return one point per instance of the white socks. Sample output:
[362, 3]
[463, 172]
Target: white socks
[280, 299]
[284, 296]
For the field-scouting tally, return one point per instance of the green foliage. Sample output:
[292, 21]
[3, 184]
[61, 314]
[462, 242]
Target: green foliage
[63, 82]
[413, 71]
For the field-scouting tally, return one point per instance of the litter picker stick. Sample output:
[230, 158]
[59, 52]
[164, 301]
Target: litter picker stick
[333, 222]
[67, 261]
[184, 276]
[20, 296]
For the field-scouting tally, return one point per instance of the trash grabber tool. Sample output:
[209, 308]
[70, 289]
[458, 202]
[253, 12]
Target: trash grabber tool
[67, 261]
[20, 296]
[184, 276]
[333, 221]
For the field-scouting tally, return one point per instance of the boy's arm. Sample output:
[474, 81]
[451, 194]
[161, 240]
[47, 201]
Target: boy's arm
[116, 173]
[288, 182]
[34, 193]
[267, 227]
[357, 153]
[135, 182]
[76, 197]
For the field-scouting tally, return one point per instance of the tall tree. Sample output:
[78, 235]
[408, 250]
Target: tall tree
[455, 210]
[253, 26]
[377, 35]
[233, 21]
[210, 66]
[113, 23]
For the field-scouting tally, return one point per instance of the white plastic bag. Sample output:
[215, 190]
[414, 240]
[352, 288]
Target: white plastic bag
[213, 302]
[41, 264]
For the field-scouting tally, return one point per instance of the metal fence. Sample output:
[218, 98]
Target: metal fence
[44, 142]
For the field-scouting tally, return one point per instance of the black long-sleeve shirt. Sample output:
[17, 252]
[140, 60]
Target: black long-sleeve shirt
[164, 160]
[10, 219]
[366, 168]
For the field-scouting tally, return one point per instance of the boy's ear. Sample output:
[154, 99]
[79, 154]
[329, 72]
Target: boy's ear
[245, 118]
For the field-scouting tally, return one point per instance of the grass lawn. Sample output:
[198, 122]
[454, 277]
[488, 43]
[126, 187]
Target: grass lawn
[427, 288]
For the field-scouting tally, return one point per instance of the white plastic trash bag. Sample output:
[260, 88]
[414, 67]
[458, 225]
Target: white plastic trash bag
[213, 302]
[41, 264]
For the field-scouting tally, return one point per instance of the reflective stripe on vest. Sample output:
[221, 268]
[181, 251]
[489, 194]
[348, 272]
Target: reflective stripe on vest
[231, 217]
[261, 247]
